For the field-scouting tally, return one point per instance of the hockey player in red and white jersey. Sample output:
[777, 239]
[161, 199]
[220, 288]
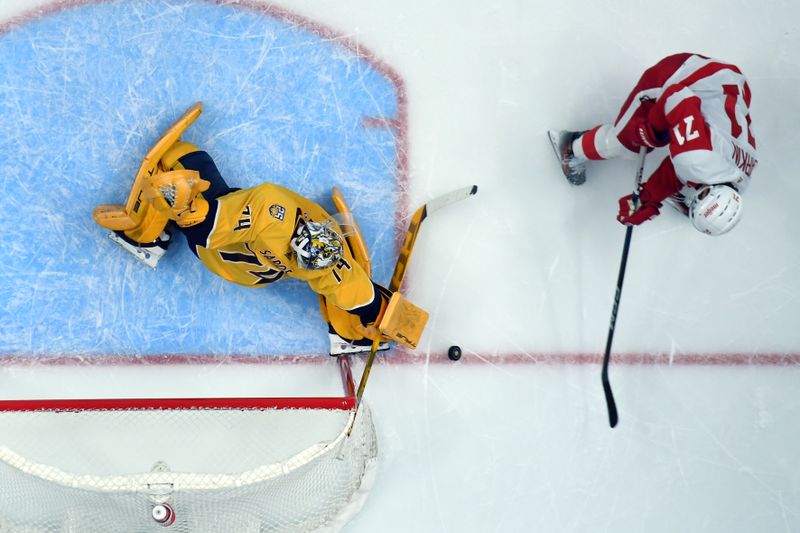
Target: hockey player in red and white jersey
[692, 114]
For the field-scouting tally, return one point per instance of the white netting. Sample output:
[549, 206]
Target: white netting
[220, 470]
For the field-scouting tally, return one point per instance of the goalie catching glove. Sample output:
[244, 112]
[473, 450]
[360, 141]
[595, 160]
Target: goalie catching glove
[176, 195]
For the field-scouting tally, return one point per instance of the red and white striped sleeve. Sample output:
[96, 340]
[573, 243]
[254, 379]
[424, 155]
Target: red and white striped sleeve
[706, 112]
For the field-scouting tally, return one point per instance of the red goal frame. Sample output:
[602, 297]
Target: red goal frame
[347, 401]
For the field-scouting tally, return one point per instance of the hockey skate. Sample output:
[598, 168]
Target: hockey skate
[574, 170]
[150, 253]
[341, 346]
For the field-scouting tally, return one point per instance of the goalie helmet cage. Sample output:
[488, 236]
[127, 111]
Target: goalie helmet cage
[185, 464]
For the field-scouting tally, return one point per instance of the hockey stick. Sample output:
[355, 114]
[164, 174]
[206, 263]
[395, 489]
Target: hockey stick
[613, 418]
[402, 261]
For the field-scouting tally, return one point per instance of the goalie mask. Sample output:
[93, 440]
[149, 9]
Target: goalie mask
[317, 245]
[716, 209]
[176, 195]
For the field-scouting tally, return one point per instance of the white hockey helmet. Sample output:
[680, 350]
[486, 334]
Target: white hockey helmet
[716, 209]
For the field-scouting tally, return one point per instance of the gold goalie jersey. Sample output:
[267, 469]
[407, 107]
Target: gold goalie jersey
[246, 239]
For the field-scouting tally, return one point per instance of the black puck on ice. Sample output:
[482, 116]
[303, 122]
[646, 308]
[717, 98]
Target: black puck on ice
[454, 353]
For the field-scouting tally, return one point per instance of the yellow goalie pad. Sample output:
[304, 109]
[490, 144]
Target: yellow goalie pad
[138, 218]
[355, 242]
[403, 321]
[113, 217]
[354, 239]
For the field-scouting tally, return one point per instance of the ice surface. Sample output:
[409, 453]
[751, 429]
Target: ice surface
[282, 104]
[514, 437]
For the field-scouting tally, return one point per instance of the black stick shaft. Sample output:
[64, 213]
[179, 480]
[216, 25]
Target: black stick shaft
[613, 417]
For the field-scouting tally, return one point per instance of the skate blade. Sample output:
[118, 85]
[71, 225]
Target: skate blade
[145, 255]
[556, 141]
[341, 347]
[555, 137]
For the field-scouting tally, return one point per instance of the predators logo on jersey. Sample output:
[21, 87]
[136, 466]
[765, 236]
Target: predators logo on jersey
[277, 211]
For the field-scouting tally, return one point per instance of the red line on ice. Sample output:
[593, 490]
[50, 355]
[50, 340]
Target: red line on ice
[403, 357]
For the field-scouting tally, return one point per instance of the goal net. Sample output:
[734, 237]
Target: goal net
[184, 465]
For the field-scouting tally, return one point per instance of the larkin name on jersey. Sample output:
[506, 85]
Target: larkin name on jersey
[705, 105]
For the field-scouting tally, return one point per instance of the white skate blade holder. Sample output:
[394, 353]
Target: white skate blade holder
[556, 139]
[149, 255]
[339, 346]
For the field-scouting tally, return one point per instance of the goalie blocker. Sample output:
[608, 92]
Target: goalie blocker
[403, 321]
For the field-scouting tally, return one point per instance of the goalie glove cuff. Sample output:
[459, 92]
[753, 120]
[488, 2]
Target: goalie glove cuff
[371, 313]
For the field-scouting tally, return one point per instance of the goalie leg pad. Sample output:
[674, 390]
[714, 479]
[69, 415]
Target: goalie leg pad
[147, 228]
[355, 241]
[171, 158]
[345, 324]
[346, 332]
[345, 328]
[113, 217]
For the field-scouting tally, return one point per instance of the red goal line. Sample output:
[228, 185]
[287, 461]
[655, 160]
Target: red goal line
[404, 357]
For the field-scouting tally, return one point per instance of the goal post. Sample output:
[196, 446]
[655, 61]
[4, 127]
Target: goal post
[185, 464]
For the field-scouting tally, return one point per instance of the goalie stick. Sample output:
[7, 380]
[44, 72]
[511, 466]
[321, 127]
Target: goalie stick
[613, 417]
[402, 261]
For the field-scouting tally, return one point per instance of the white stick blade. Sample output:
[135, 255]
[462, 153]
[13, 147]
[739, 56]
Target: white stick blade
[450, 197]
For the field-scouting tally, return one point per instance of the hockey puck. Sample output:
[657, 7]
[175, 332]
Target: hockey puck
[454, 353]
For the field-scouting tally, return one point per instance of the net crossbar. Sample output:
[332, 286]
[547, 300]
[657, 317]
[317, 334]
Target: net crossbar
[184, 464]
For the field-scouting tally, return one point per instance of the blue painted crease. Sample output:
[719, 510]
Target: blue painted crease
[83, 95]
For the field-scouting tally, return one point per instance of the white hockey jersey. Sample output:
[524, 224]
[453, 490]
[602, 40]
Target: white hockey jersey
[705, 106]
